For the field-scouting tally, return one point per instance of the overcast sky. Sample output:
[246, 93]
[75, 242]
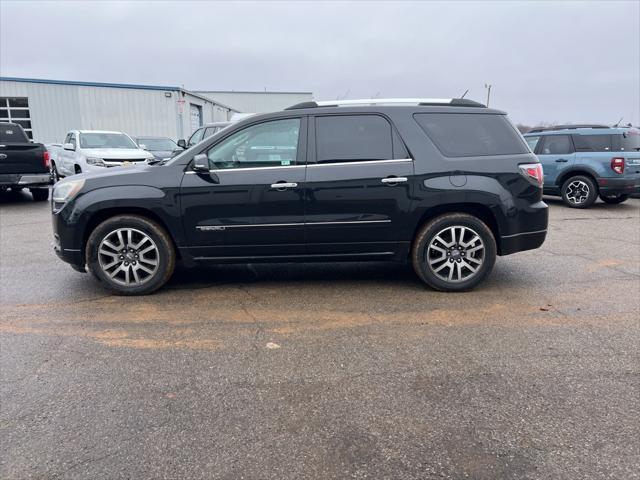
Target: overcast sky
[547, 61]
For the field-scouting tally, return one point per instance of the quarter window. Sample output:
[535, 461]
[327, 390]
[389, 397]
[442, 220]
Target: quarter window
[348, 138]
[471, 135]
[269, 144]
[557, 145]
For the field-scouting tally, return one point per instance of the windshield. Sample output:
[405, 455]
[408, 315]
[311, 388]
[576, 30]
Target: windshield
[158, 144]
[106, 140]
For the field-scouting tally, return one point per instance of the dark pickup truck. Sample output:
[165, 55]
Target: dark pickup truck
[23, 164]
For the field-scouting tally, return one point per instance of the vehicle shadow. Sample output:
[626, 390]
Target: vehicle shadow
[15, 197]
[631, 204]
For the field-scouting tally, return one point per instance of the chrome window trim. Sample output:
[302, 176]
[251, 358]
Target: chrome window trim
[360, 162]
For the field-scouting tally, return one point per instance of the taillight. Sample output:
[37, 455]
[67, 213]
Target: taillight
[533, 171]
[617, 165]
[45, 159]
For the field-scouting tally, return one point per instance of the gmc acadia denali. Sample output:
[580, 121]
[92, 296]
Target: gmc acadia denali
[444, 184]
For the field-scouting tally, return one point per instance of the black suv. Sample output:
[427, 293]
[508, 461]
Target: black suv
[444, 184]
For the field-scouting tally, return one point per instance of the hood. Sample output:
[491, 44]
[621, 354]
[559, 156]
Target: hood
[117, 153]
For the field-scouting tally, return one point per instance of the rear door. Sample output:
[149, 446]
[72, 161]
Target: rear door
[251, 203]
[557, 154]
[358, 189]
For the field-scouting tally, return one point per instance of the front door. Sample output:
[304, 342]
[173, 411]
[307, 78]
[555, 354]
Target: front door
[556, 154]
[358, 186]
[251, 203]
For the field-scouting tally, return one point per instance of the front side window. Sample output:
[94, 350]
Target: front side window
[347, 138]
[105, 140]
[471, 134]
[532, 142]
[557, 145]
[268, 144]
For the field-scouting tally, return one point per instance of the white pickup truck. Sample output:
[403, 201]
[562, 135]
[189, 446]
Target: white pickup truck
[94, 150]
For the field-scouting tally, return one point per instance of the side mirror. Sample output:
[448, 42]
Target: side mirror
[182, 143]
[69, 146]
[201, 163]
[142, 146]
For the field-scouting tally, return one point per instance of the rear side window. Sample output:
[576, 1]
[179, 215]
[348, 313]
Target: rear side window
[593, 143]
[347, 138]
[470, 135]
[12, 134]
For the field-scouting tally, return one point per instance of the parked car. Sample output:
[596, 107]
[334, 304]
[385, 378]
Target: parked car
[444, 184]
[202, 133]
[95, 150]
[160, 147]
[23, 164]
[211, 129]
[582, 162]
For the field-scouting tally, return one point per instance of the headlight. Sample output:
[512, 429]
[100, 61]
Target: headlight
[66, 190]
[98, 162]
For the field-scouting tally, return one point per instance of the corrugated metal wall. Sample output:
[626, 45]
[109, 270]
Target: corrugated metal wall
[56, 109]
[258, 102]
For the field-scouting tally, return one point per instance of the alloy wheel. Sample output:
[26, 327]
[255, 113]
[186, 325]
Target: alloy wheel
[128, 256]
[455, 254]
[577, 192]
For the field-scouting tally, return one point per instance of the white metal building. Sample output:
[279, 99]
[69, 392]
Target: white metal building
[47, 109]
[257, 102]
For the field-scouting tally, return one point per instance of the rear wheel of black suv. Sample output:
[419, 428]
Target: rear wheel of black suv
[454, 252]
[615, 199]
[130, 255]
[579, 192]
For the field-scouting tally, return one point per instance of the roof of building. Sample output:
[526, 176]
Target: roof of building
[254, 91]
[115, 85]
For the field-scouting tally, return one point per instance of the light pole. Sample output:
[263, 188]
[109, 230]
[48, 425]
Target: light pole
[488, 87]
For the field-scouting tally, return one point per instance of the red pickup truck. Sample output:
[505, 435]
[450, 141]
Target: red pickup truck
[23, 164]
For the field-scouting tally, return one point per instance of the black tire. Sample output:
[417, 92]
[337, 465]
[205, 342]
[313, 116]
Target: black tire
[40, 194]
[55, 176]
[615, 199]
[579, 192]
[164, 255]
[421, 252]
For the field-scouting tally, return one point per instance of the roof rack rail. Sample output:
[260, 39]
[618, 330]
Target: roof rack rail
[565, 127]
[443, 102]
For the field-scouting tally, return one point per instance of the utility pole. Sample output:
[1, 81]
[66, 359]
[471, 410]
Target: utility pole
[488, 87]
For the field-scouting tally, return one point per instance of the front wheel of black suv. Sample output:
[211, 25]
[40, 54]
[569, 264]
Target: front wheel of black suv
[453, 252]
[130, 255]
[614, 199]
[579, 192]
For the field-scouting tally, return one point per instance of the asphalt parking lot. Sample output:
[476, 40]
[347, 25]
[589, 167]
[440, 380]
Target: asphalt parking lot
[324, 370]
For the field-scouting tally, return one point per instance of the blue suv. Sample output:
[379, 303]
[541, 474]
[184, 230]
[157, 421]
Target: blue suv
[582, 162]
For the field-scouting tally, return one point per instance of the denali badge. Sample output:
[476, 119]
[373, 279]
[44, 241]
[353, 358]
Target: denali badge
[209, 228]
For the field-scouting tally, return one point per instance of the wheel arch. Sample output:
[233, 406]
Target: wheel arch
[101, 215]
[587, 172]
[478, 210]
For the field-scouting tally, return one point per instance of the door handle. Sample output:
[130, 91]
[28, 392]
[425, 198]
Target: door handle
[283, 185]
[562, 160]
[394, 180]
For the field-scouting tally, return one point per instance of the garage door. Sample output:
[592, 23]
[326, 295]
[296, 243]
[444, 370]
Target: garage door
[196, 117]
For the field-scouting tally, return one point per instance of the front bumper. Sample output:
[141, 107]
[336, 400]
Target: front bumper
[619, 186]
[26, 179]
